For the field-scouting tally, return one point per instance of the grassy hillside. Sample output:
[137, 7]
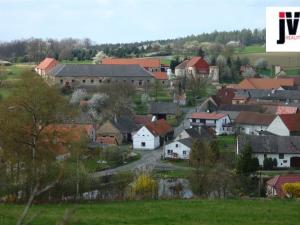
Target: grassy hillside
[192, 212]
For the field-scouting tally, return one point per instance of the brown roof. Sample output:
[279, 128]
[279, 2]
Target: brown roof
[254, 118]
[265, 83]
[159, 127]
[143, 62]
[47, 64]
[160, 75]
[207, 116]
[291, 121]
[278, 181]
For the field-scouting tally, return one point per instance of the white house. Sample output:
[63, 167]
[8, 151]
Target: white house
[178, 149]
[219, 122]
[285, 125]
[252, 122]
[286, 150]
[145, 139]
[152, 135]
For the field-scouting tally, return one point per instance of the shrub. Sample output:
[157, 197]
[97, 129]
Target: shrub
[292, 189]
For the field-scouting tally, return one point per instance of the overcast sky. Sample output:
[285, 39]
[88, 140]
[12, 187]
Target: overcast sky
[111, 21]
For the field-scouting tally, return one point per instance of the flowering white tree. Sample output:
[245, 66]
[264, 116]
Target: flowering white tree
[78, 95]
[98, 57]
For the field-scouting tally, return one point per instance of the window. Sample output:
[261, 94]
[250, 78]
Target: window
[83, 81]
[183, 152]
[176, 145]
[143, 144]
[281, 156]
[170, 152]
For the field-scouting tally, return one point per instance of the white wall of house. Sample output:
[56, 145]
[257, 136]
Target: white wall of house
[251, 129]
[216, 124]
[177, 150]
[284, 162]
[145, 140]
[278, 127]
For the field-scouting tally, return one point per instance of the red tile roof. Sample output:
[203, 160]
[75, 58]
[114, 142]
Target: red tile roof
[207, 116]
[265, 83]
[159, 127]
[160, 75]
[291, 121]
[143, 62]
[286, 110]
[278, 181]
[47, 64]
[199, 63]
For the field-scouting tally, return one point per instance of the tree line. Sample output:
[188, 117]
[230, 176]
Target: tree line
[35, 49]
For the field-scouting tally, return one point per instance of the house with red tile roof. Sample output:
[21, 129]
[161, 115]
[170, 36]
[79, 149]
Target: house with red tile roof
[46, 65]
[266, 83]
[197, 66]
[220, 122]
[162, 77]
[274, 186]
[285, 125]
[150, 64]
[152, 135]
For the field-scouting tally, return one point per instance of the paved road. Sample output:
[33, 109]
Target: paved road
[149, 159]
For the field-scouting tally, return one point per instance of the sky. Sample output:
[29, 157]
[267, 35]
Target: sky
[114, 21]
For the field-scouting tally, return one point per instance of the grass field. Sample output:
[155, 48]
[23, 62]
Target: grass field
[250, 49]
[289, 61]
[191, 212]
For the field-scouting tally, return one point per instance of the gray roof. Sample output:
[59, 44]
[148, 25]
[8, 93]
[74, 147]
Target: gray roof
[232, 114]
[99, 70]
[250, 108]
[186, 141]
[193, 133]
[269, 94]
[271, 144]
[163, 108]
[125, 124]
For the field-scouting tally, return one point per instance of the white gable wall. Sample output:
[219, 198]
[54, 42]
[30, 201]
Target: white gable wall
[278, 127]
[145, 140]
[182, 151]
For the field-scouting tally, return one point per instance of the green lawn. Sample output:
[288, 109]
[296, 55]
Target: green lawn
[250, 49]
[226, 142]
[191, 212]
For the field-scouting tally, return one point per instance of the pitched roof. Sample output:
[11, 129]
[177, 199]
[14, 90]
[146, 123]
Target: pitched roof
[186, 141]
[265, 83]
[291, 121]
[99, 70]
[199, 63]
[270, 144]
[254, 118]
[278, 181]
[47, 64]
[143, 62]
[141, 119]
[160, 75]
[193, 133]
[163, 108]
[159, 127]
[208, 116]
